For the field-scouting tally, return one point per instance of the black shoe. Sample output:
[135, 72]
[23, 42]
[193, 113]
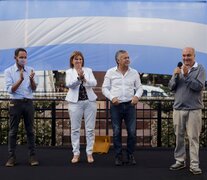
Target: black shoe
[196, 171]
[11, 162]
[177, 166]
[33, 161]
[118, 161]
[131, 160]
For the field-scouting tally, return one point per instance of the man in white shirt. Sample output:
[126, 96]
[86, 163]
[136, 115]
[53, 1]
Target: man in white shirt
[122, 86]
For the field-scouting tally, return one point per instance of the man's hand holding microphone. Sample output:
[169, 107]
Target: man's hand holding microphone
[177, 70]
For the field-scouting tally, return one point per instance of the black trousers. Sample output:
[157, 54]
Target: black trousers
[21, 108]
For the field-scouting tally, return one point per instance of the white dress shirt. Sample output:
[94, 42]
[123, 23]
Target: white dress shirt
[194, 66]
[124, 87]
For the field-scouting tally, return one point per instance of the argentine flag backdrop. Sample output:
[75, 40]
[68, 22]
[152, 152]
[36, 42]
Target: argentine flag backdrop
[153, 32]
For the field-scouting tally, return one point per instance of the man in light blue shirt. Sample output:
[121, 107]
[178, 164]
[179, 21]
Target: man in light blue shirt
[20, 84]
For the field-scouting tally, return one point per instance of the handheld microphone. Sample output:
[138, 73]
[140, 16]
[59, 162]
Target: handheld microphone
[179, 65]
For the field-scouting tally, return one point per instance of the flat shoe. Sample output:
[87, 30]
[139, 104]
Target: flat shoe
[90, 158]
[75, 159]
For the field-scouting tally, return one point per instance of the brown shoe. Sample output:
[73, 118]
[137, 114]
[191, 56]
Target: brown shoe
[90, 158]
[76, 158]
[11, 162]
[33, 161]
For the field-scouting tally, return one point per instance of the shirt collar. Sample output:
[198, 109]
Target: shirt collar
[17, 69]
[116, 68]
[195, 65]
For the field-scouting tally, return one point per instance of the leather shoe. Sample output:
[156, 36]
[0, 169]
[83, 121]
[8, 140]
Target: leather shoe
[11, 162]
[118, 160]
[196, 170]
[131, 160]
[33, 161]
[177, 166]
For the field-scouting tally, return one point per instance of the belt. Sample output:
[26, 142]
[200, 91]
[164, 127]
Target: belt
[21, 100]
[128, 102]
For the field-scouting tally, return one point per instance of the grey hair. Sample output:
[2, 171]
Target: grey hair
[118, 53]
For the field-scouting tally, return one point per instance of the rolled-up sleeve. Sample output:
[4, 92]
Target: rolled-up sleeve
[8, 81]
[107, 86]
[138, 86]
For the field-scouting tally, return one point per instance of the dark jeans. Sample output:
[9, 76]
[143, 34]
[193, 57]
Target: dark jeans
[127, 112]
[19, 108]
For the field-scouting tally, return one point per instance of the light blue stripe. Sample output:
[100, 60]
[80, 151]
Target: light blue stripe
[194, 11]
[146, 59]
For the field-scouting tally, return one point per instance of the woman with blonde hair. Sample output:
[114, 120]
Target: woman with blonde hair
[82, 103]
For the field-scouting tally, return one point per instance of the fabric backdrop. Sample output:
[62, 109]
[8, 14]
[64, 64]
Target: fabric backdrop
[153, 32]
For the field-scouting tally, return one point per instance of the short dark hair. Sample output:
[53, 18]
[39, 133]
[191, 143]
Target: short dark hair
[117, 54]
[16, 52]
[75, 54]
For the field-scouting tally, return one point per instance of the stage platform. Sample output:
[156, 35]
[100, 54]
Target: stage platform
[152, 164]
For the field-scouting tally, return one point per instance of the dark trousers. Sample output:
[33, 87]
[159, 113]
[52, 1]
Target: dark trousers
[21, 108]
[123, 111]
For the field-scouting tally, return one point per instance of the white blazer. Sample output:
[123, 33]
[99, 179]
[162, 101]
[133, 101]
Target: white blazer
[73, 84]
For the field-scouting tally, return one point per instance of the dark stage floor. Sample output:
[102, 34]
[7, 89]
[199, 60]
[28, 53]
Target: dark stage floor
[152, 164]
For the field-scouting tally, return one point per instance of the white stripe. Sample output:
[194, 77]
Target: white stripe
[103, 30]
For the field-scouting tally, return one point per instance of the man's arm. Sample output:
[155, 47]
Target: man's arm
[174, 79]
[10, 86]
[198, 83]
[32, 81]
[107, 86]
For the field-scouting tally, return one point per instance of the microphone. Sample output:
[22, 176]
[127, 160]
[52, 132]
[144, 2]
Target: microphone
[179, 65]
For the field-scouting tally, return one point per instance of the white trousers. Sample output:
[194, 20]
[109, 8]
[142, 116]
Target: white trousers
[189, 122]
[77, 110]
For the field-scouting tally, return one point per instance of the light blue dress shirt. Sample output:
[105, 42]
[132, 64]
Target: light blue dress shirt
[12, 75]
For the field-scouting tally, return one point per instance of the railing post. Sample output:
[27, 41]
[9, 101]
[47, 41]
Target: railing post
[0, 128]
[53, 133]
[107, 117]
[159, 124]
